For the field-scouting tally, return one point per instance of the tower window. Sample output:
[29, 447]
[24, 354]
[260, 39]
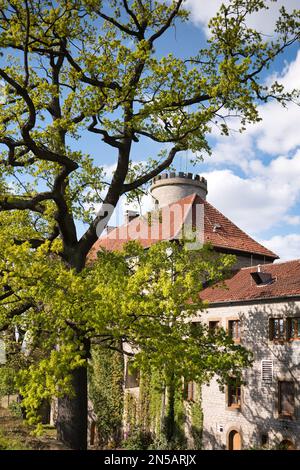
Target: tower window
[213, 326]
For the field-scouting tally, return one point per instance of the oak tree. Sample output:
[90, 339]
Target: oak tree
[74, 68]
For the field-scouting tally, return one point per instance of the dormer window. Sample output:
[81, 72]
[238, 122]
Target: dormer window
[261, 278]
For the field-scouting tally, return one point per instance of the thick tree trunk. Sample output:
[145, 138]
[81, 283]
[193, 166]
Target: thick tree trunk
[73, 412]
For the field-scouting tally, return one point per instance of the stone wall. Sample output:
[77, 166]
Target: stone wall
[258, 414]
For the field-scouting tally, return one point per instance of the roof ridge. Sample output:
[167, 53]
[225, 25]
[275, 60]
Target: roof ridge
[279, 263]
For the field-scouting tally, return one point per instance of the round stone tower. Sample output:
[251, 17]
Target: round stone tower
[170, 187]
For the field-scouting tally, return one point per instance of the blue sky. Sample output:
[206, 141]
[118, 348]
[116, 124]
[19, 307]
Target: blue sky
[253, 178]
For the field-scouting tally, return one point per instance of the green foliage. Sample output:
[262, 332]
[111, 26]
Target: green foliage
[90, 66]
[137, 440]
[15, 408]
[9, 443]
[196, 415]
[106, 393]
[136, 296]
[158, 415]
[7, 381]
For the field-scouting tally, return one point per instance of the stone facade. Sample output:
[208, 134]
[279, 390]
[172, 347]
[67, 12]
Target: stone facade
[257, 420]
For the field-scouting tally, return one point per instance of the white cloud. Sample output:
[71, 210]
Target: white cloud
[261, 201]
[277, 133]
[286, 246]
[202, 11]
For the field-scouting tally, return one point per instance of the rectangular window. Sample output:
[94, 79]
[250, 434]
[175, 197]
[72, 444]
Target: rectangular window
[277, 329]
[213, 326]
[293, 328]
[234, 393]
[234, 330]
[286, 399]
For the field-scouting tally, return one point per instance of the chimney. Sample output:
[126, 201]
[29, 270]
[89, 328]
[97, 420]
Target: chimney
[109, 228]
[171, 187]
[129, 216]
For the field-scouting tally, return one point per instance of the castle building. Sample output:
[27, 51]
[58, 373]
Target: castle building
[260, 309]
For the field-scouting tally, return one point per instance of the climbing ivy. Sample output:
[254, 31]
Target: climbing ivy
[106, 374]
[196, 415]
[159, 413]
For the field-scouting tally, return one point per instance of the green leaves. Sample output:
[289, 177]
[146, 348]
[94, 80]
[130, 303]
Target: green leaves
[142, 299]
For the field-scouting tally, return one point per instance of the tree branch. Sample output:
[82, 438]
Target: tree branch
[106, 137]
[118, 25]
[168, 23]
[11, 202]
[132, 14]
[15, 312]
[151, 174]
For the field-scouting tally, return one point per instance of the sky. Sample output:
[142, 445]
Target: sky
[254, 177]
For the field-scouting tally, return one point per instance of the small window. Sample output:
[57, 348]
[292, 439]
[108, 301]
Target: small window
[293, 328]
[286, 399]
[234, 330]
[277, 329]
[213, 326]
[234, 393]
[189, 390]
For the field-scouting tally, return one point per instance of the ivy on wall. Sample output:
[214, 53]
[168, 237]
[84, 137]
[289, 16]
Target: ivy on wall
[106, 374]
[196, 417]
[161, 411]
[155, 417]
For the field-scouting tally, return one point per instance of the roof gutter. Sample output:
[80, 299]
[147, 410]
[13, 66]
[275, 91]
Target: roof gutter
[254, 301]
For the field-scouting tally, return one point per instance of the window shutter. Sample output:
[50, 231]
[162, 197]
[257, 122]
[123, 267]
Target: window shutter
[266, 371]
[271, 329]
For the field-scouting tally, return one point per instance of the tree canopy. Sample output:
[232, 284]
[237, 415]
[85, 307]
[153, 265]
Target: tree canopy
[136, 301]
[74, 68]
[80, 67]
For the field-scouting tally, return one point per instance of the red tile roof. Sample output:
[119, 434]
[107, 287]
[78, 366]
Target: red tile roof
[218, 230]
[228, 235]
[241, 286]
